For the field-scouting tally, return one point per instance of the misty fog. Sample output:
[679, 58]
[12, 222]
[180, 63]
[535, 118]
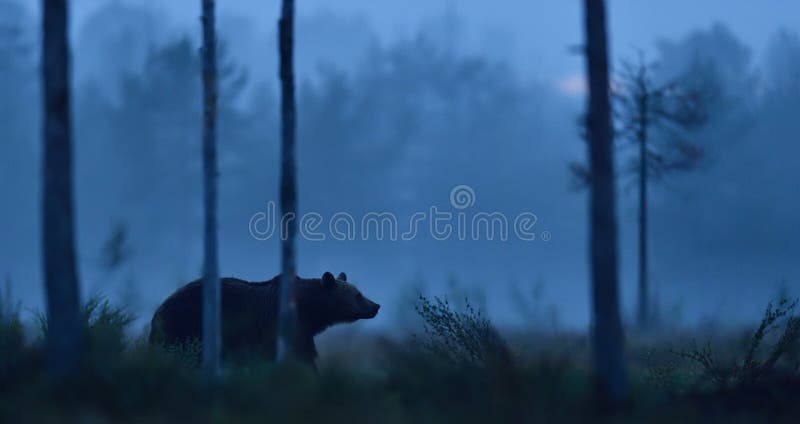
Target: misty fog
[391, 119]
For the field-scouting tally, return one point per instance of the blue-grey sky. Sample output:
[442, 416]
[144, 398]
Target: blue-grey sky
[532, 32]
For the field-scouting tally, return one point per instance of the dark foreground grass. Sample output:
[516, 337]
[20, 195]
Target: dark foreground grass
[459, 370]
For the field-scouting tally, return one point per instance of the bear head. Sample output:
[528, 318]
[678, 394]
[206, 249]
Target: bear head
[322, 302]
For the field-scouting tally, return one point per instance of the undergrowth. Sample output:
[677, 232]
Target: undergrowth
[758, 371]
[461, 338]
[460, 370]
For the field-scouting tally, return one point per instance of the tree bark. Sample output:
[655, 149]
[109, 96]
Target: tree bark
[212, 340]
[607, 336]
[65, 329]
[288, 184]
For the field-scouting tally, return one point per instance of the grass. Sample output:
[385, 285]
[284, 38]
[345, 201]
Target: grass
[463, 339]
[459, 369]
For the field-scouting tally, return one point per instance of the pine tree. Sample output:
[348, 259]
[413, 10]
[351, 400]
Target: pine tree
[657, 118]
[288, 183]
[607, 336]
[212, 338]
[65, 330]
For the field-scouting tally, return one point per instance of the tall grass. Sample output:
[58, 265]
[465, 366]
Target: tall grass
[461, 338]
[765, 356]
[460, 369]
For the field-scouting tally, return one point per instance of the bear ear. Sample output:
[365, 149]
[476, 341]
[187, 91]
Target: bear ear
[342, 277]
[328, 281]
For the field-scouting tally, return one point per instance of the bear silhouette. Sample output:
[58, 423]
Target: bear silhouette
[249, 314]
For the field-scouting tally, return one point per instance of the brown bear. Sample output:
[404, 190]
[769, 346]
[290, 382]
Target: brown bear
[249, 312]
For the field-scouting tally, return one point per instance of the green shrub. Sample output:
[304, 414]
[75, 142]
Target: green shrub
[13, 351]
[106, 326]
[758, 362]
[461, 338]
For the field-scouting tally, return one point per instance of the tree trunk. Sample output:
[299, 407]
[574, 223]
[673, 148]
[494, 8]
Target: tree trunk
[211, 288]
[607, 337]
[643, 310]
[65, 329]
[288, 184]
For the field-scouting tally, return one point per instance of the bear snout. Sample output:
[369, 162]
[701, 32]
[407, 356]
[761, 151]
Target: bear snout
[373, 311]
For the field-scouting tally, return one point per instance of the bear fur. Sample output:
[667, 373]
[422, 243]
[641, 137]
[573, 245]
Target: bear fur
[249, 314]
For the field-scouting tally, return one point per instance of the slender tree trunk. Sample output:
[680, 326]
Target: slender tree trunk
[65, 329]
[211, 289]
[288, 185]
[607, 337]
[643, 310]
